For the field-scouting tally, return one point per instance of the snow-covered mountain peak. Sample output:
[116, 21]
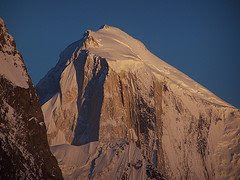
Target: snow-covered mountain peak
[125, 53]
[113, 44]
[129, 115]
[11, 62]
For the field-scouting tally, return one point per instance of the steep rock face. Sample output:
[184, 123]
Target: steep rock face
[114, 110]
[24, 151]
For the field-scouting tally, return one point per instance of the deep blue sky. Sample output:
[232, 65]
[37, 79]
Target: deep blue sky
[200, 38]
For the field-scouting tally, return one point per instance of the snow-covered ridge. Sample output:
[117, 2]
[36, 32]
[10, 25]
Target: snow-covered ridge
[11, 62]
[114, 44]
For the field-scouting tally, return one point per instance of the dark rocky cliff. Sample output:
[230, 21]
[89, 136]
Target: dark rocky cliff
[24, 150]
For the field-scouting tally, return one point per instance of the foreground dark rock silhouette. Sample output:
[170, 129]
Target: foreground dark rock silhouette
[24, 150]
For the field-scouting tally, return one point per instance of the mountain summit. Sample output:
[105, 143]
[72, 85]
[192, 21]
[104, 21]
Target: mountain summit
[113, 110]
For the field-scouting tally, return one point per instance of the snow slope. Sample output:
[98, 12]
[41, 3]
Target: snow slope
[109, 88]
